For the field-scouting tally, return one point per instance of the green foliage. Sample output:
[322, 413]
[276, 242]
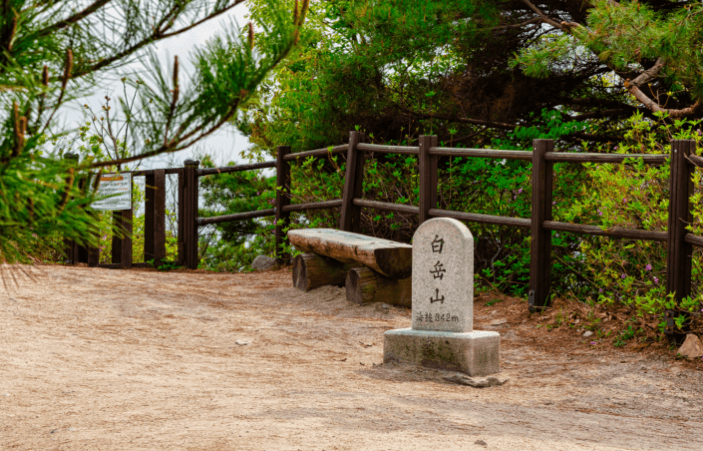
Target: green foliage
[626, 335]
[41, 200]
[232, 246]
[492, 302]
[632, 195]
[365, 63]
[547, 56]
[549, 125]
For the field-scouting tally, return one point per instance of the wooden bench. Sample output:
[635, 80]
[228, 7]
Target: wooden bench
[372, 269]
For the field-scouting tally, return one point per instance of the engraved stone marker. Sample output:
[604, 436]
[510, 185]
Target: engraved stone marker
[442, 334]
[443, 276]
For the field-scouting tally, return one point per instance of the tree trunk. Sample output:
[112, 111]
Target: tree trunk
[390, 258]
[363, 285]
[312, 271]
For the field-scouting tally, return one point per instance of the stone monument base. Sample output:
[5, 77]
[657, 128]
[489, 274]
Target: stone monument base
[475, 353]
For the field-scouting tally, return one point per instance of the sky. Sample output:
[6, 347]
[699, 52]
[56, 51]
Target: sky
[227, 143]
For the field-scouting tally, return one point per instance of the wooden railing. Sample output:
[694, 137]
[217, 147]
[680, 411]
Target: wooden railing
[679, 241]
[283, 206]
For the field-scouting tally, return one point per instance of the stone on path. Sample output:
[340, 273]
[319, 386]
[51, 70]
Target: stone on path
[442, 334]
[692, 347]
[587, 334]
[263, 263]
[479, 382]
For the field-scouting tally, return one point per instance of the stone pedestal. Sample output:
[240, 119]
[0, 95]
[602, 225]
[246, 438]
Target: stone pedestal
[442, 334]
[474, 353]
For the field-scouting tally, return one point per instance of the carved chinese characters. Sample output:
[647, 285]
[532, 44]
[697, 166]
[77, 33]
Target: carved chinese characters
[442, 285]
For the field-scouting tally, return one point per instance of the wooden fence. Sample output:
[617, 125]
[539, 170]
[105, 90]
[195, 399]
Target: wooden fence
[679, 241]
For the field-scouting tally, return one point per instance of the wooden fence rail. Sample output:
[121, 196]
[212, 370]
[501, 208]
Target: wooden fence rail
[679, 241]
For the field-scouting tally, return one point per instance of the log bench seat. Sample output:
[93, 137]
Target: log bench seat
[371, 269]
[386, 257]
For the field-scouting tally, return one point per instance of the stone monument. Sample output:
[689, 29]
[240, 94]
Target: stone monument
[442, 334]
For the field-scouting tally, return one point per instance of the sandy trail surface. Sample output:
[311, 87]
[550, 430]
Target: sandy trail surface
[96, 359]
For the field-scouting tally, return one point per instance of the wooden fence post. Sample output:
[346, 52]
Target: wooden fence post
[350, 219]
[126, 224]
[181, 259]
[190, 213]
[155, 217]
[71, 251]
[122, 245]
[117, 240]
[541, 243]
[428, 176]
[679, 252]
[93, 254]
[282, 200]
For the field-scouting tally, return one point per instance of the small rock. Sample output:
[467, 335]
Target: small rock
[480, 442]
[509, 336]
[242, 342]
[55, 430]
[588, 333]
[263, 263]
[383, 307]
[479, 382]
[70, 429]
[547, 403]
[498, 322]
[692, 347]
[7, 394]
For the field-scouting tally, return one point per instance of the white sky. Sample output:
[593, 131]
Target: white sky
[224, 145]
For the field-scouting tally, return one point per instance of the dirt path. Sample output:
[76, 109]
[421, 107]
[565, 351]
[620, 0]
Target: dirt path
[96, 359]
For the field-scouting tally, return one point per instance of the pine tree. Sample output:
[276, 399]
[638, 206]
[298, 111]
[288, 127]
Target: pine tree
[474, 71]
[56, 51]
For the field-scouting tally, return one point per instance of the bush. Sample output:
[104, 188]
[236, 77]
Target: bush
[634, 195]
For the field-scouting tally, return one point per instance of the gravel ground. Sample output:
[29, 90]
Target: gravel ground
[97, 359]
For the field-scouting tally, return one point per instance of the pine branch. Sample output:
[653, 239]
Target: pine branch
[183, 138]
[95, 6]
[174, 100]
[158, 34]
[64, 82]
[543, 17]
[517, 25]
[633, 87]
